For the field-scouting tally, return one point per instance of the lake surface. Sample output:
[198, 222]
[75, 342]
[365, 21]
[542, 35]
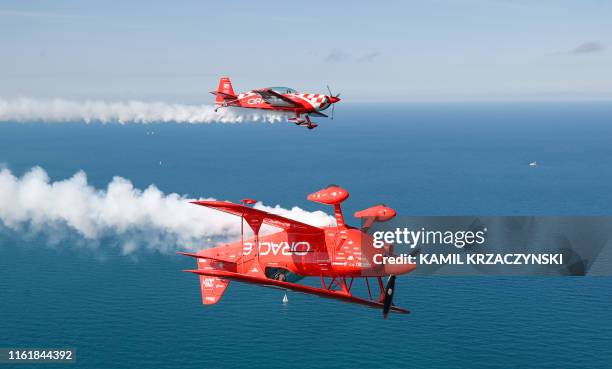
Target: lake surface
[421, 159]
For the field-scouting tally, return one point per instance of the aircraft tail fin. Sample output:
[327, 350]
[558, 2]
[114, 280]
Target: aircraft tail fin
[224, 92]
[212, 288]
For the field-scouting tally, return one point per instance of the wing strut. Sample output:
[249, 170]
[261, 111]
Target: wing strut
[255, 225]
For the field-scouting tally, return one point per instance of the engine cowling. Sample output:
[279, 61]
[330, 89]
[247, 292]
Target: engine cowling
[330, 195]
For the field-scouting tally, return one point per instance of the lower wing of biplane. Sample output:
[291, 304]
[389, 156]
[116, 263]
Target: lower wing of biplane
[321, 292]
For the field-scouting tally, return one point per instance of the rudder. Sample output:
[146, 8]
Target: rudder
[212, 287]
[224, 91]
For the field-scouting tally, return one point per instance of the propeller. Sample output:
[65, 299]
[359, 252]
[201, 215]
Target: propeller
[333, 99]
[389, 290]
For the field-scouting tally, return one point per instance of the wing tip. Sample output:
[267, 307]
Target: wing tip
[400, 310]
[211, 202]
[193, 255]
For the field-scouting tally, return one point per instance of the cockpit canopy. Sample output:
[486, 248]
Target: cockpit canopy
[283, 90]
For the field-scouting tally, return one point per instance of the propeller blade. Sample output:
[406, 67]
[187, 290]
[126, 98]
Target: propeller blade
[333, 109]
[389, 290]
[329, 90]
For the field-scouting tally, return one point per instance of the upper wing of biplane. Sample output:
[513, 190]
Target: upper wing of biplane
[275, 99]
[257, 217]
[321, 292]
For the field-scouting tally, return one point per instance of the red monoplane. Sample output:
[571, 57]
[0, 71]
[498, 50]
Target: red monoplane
[337, 255]
[282, 99]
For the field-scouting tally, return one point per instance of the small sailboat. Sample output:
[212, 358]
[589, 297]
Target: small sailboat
[285, 299]
[533, 164]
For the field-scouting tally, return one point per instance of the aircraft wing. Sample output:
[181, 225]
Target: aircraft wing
[317, 114]
[321, 292]
[255, 216]
[275, 99]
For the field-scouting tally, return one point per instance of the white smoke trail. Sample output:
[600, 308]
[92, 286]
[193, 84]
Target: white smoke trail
[141, 219]
[89, 111]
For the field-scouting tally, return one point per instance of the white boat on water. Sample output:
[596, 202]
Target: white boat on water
[533, 164]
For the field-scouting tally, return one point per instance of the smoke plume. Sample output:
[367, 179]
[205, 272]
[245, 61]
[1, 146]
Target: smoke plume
[136, 219]
[90, 111]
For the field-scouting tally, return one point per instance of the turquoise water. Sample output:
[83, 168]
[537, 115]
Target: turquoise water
[121, 312]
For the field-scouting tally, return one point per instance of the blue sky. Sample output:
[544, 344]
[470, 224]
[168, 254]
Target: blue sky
[390, 51]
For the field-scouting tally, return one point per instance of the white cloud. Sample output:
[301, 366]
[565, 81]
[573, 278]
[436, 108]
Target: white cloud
[337, 56]
[588, 47]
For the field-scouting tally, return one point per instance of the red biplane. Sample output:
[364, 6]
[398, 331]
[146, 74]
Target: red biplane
[282, 99]
[337, 255]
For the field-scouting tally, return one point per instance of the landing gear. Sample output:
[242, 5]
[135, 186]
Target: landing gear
[297, 120]
[311, 124]
[221, 106]
[303, 122]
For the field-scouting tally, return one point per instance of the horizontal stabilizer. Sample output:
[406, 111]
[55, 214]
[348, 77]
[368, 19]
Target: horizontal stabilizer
[204, 257]
[224, 95]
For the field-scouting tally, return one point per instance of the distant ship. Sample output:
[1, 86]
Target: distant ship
[533, 164]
